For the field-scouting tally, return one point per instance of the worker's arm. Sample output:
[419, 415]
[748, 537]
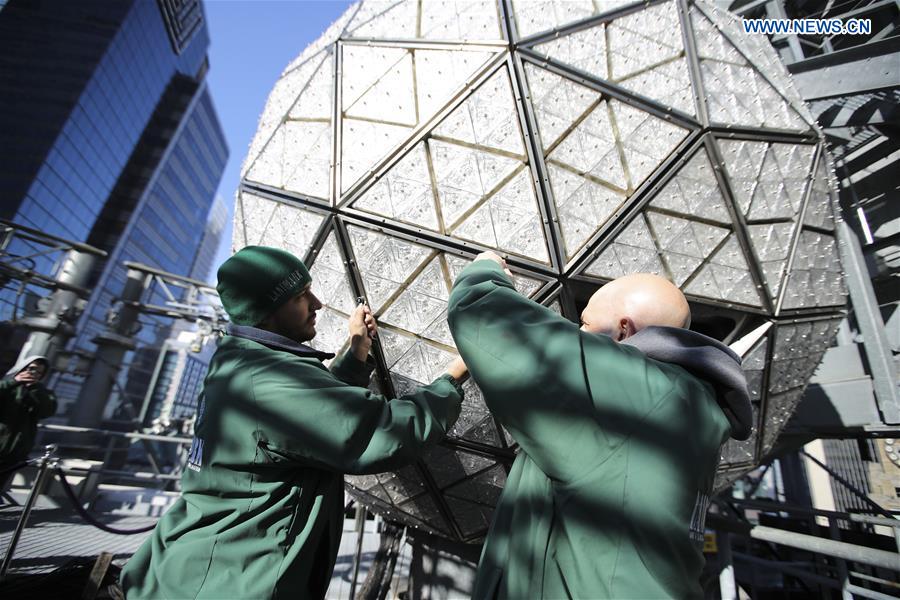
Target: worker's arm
[319, 420]
[531, 365]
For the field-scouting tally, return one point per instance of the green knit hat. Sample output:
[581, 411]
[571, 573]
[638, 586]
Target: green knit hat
[257, 280]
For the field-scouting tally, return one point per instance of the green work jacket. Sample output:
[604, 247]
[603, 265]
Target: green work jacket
[262, 502]
[20, 409]
[607, 496]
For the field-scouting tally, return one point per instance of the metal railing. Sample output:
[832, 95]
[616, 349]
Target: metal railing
[49, 465]
[830, 554]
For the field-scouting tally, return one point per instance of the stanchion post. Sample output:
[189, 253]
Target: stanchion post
[47, 462]
[360, 531]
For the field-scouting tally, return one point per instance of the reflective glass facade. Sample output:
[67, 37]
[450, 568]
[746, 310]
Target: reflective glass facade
[166, 231]
[108, 136]
[75, 106]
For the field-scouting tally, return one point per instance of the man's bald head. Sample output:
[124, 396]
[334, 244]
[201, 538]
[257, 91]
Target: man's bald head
[628, 304]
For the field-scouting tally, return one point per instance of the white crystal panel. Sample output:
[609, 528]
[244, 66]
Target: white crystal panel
[585, 50]
[633, 251]
[695, 191]
[816, 277]
[558, 102]
[735, 92]
[404, 193]
[819, 209]
[271, 223]
[533, 16]
[582, 206]
[641, 40]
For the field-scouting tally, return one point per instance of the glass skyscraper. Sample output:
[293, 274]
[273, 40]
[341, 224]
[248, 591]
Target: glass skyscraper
[108, 136]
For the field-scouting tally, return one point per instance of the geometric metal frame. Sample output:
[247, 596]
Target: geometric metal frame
[435, 245]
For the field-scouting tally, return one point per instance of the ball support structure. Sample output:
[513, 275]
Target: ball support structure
[629, 137]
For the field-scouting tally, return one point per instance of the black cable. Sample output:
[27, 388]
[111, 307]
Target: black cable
[84, 514]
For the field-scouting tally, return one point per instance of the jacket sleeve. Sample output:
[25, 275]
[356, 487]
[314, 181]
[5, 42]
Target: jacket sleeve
[310, 416]
[350, 370]
[531, 365]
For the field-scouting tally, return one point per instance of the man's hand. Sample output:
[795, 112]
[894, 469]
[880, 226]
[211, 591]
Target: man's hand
[489, 255]
[27, 378]
[458, 369]
[362, 329]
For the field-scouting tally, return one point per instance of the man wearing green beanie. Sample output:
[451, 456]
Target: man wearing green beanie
[261, 510]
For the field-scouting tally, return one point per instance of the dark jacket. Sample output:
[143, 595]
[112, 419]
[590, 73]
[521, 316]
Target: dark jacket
[261, 510]
[608, 495]
[21, 407]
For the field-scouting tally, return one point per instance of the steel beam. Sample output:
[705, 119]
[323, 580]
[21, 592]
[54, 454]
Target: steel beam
[871, 324]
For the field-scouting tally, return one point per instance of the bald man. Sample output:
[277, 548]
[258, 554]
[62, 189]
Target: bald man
[620, 424]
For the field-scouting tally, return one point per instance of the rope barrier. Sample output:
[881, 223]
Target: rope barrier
[84, 514]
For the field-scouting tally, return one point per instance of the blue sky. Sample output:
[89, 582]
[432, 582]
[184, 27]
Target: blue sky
[252, 42]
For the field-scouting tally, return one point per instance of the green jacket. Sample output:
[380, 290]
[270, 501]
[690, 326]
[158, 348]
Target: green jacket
[607, 497]
[20, 409]
[261, 511]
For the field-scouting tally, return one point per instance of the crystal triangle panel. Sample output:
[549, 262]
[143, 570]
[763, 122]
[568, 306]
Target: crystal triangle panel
[763, 54]
[387, 92]
[385, 263]
[304, 93]
[695, 191]
[769, 181]
[684, 243]
[753, 365]
[772, 243]
[642, 52]
[819, 209]
[384, 19]
[632, 251]
[448, 467]
[646, 140]
[558, 102]
[592, 148]
[370, 93]
[585, 50]
[799, 348]
[460, 20]
[816, 277]
[421, 303]
[534, 16]
[330, 282]
[465, 176]
[726, 276]
[735, 92]
[487, 118]
[582, 205]
[420, 365]
[272, 223]
[472, 501]
[743, 162]
[779, 408]
[306, 165]
[439, 73]
[404, 193]
[641, 40]
[332, 287]
[509, 220]
[646, 54]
